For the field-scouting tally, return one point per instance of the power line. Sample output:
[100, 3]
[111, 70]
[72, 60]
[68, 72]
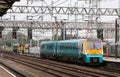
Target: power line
[55, 2]
[61, 3]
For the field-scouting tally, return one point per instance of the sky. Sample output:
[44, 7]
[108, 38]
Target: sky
[64, 3]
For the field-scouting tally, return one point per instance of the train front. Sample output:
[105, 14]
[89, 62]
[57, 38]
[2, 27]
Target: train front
[93, 51]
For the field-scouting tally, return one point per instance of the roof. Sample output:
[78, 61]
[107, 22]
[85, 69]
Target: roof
[5, 5]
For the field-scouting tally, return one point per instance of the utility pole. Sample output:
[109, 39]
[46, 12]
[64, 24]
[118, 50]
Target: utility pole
[56, 26]
[119, 7]
[116, 37]
[76, 17]
[63, 31]
[51, 12]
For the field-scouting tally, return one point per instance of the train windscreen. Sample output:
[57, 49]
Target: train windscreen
[94, 45]
[97, 45]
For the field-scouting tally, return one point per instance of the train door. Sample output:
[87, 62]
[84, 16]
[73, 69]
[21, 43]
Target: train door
[80, 48]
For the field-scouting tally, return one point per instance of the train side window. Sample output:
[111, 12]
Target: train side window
[66, 47]
[62, 47]
[70, 47]
[74, 47]
[42, 46]
[49, 47]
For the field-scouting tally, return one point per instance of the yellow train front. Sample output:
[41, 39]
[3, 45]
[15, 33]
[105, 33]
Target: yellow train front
[92, 51]
[21, 48]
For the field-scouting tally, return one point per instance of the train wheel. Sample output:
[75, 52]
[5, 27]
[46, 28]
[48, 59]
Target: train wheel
[58, 58]
[42, 56]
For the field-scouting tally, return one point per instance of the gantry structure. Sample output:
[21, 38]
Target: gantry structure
[63, 11]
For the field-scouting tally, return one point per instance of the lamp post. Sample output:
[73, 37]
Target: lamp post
[76, 17]
[116, 37]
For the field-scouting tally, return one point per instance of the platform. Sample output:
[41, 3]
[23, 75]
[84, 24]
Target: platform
[5, 73]
[112, 59]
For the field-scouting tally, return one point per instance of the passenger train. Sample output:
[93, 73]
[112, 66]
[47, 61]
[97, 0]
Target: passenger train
[88, 51]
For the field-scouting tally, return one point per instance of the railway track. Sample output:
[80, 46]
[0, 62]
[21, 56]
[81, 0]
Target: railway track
[16, 73]
[59, 69]
[111, 67]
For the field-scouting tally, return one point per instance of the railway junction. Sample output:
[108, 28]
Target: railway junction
[26, 24]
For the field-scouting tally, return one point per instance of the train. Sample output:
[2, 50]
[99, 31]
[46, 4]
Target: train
[19, 48]
[15, 47]
[88, 51]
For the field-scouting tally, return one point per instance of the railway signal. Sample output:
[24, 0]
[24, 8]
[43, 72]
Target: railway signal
[1, 29]
[116, 37]
[100, 34]
[29, 33]
[14, 33]
[0, 34]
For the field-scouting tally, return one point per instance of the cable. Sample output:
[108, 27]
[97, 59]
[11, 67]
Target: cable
[50, 9]
[55, 2]
[61, 3]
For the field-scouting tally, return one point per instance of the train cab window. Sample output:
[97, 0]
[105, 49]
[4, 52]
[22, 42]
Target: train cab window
[97, 45]
[90, 45]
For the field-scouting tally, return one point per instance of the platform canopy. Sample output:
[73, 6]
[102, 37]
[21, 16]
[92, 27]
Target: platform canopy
[5, 5]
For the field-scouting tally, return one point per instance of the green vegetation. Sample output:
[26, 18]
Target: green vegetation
[7, 42]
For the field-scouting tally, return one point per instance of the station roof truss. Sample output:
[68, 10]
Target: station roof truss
[5, 5]
[65, 10]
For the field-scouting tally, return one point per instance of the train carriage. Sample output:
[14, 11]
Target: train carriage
[68, 48]
[48, 49]
[15, 47]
